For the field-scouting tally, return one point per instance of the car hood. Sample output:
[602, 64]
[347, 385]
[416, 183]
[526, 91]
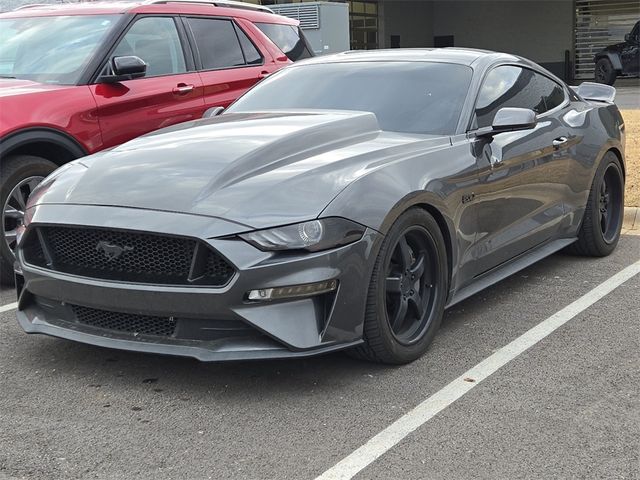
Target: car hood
[256, 169]
[10, 87]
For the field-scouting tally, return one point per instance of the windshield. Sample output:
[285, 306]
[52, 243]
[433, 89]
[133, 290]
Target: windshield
[50, 49]
[410, 97]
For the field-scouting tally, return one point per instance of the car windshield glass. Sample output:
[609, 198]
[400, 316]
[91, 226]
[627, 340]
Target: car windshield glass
[52, 49]
[409, 97]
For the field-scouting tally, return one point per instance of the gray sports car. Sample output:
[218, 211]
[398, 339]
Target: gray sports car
[343, 203]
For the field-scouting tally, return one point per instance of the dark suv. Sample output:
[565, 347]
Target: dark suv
[79, 78]
[619, 59]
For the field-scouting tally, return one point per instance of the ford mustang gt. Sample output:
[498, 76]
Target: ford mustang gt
[342, 203]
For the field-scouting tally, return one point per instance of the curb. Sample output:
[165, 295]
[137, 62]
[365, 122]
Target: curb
[631, 221]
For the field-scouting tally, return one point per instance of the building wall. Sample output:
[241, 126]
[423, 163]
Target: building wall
[537, 29]
[411, 19]
[540, 30]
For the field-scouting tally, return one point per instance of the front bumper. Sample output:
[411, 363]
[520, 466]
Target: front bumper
[256, 330]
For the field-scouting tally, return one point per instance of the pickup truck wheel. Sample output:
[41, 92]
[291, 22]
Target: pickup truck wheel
[605, 73]
[19, 175]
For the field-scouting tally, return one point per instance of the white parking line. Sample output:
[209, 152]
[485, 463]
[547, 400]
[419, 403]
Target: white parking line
[9, 306]
[398, 430]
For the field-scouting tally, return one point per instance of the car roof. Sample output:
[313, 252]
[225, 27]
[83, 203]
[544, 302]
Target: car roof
[477, 59]
[463, 56]
[224, 8]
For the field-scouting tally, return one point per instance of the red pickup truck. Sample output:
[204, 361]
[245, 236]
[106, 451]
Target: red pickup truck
[79, 78]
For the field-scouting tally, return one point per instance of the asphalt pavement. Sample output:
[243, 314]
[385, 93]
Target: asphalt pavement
[568, 407]
[627, 93]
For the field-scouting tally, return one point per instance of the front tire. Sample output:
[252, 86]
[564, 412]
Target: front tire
[600, 230]
[19, 175]
[408, 291]
[604, 72]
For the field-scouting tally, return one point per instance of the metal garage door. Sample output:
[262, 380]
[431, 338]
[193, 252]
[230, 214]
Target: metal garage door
[600, 23]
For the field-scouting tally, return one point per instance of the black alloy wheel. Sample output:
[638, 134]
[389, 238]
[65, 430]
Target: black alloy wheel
[408, 291]
[409, 287]
[610, 203]
[19, 176]
[602, 221]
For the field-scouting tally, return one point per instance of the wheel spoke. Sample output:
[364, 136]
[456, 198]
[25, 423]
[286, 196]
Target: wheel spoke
[405, 253]
[19, 197]
[10, 237]
[14, 207]
[417, 269]
[392, 284]
[33, 183]
[604, 220]
[400, 315]
[11, 212]
[417, 304]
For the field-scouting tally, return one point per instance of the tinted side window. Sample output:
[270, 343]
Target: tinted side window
[251, 54]
[635, 32]
[509, 86]
[552, 93]
[287, 38]
[155, 40]
[217, 43]
[506, 86]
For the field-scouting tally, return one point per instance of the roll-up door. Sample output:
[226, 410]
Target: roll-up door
[600, 23]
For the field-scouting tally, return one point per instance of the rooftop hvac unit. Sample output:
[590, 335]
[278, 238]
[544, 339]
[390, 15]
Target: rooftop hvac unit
[325, 24]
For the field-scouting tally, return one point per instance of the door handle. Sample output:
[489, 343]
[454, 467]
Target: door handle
[182, 89]
[558, 142]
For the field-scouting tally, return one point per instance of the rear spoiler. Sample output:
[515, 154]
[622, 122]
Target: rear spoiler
[596, 92]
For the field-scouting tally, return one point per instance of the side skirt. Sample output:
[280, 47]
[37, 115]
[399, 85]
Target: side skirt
[509, 268]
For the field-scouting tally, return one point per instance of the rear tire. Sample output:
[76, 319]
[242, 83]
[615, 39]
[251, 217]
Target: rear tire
[407, 293]
[604, 72]
[600, 230]
[18, 176]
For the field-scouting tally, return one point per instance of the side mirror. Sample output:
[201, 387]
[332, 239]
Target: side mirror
[627, 37]
[125, 68]
[510, 119]
[212, 112]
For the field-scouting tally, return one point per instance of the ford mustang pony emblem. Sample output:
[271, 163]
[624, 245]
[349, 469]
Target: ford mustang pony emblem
[110, 250]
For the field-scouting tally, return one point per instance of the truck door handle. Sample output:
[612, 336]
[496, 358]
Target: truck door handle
[558, 142]
[182, 89]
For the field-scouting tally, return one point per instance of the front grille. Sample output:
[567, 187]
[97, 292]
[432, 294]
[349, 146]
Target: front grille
[126, 256]
[125, 322]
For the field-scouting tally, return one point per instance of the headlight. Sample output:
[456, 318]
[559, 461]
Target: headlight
[311, 236]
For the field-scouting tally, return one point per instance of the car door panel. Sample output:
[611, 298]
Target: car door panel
[630, 53]
[167, 95]
[135, 107]
[630, 58]
[228, 61]
[222, 88]
[522, 189]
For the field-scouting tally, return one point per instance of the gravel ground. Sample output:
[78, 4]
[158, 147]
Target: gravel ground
[632, 124]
